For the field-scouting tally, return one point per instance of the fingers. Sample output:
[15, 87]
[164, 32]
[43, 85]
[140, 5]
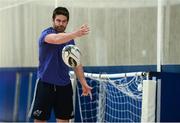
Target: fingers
[84, 26]
[84, 29]
[87, 91]
[86, 94]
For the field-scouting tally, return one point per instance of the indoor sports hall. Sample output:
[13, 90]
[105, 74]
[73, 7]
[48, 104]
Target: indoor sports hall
[131, 58]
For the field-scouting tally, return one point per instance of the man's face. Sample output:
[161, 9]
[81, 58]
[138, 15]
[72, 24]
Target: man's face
[60, 22]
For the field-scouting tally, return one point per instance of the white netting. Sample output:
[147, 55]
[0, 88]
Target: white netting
[114, 100]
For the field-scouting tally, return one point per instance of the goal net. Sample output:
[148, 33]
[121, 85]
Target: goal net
[115, 98]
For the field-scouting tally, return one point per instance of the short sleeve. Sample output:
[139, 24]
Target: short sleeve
[45, 33]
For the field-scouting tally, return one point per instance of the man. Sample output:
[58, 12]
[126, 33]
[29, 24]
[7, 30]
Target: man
[53, 89]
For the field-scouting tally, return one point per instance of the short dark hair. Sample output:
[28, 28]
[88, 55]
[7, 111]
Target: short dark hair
[61, 11]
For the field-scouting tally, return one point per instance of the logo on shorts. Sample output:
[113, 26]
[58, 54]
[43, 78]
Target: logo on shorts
[37, 113]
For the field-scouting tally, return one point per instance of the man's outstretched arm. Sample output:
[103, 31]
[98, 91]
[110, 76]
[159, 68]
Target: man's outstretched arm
[61, 38]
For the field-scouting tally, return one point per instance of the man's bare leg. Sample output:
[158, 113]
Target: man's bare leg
[39, 121]
[62, 121]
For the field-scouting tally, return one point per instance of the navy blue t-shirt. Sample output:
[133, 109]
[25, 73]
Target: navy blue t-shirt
[52, 68]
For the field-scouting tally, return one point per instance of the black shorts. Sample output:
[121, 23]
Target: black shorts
[48, 97]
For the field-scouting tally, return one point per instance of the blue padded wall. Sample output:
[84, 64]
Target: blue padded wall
[170, 89]
[7, 92]
[170, 98]
[7, 89]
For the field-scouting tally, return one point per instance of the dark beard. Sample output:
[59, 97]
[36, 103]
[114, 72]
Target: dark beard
[59, 29]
